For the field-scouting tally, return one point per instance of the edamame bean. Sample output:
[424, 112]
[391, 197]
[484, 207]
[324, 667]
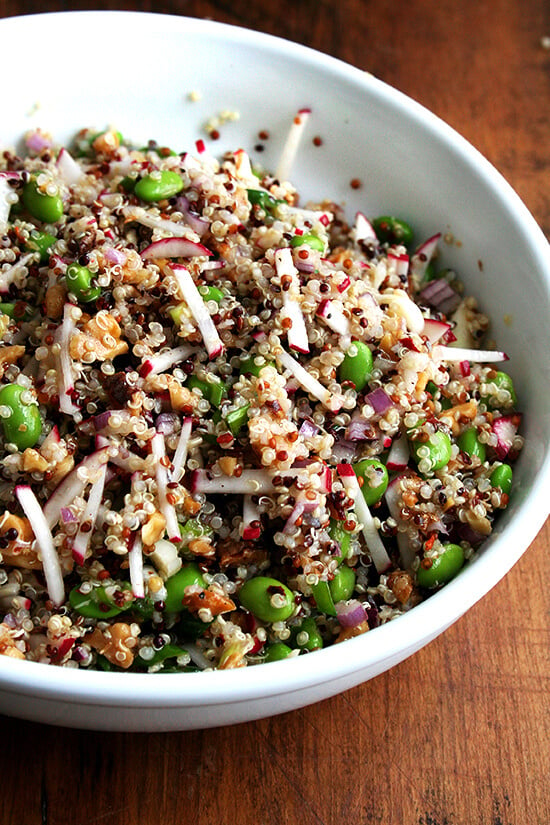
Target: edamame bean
[436, 451]
[357, 365]
[211, 293]
[19, 311]
[392, 230]
[235, 419]
[43, 207]
[341, 536]
[443, 568]
[189, 574]
[308, 239]
[277, 652]
[375, 479]
[267, 599]
[323, 598]
[264, 200]
[213, 391]
[194, 529]
[306, 635]
[250, 367]
[343, 584]
[502, 381]
[79, 281]
[96, 604]
[502, 477]
[40, 242]
[469, 443]
[158, 186]
[23, 425]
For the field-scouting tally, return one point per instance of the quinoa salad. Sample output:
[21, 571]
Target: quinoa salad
[234, 428]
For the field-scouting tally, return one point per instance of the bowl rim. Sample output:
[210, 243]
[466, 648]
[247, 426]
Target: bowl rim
[395, 640]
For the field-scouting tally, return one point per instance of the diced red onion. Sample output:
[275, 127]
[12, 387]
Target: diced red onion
[166, 423]
[197, 223]
[350, 613]
[69, 170]
[379, 401]
[359, 429]
[308, 428]
[440, 295]
[114, 256]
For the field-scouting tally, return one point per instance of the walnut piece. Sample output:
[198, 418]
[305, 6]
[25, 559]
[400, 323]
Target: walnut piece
[115, 643]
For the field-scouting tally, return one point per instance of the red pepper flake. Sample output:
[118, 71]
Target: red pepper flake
[324, 220]
[465, 368]
[430, 542]
[200, 146]
[355, 183]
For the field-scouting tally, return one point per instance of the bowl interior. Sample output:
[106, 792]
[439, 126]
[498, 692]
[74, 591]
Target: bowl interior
[408, 162]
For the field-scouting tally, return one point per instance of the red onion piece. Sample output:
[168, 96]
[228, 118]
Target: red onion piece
[441, 296]
[350, 613]
[193, 219]
[379, 401]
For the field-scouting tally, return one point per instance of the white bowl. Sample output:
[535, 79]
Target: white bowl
[410, 163]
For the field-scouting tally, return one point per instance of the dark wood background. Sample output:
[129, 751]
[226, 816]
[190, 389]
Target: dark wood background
[459, 734]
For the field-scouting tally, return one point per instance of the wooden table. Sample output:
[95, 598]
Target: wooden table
[458, 734]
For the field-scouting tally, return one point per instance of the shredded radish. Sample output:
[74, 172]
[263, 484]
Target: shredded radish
[69, 170]
[65, 378]
[253, 482]
[44, 539]
[174, 248]
[287, 272]
[332, 401]
[332, 313]
[391, 497]
[480, 356]
[89, 516]
[73, 485]
[399, 454]
[251, 526]
[5, 205]
[136, 213]
[7, 276]
[180, 456]
[363, 229]
[423, 255]
[244, 168]
[168, 510]
[292, 143]
[198, 309]
[165, 360]
[135, 561]
[376, 548]
[400, 302]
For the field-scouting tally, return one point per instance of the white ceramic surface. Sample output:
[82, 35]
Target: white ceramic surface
[410, 164]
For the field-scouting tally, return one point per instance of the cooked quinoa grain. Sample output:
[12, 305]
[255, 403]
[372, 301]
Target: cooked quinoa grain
[233, 428]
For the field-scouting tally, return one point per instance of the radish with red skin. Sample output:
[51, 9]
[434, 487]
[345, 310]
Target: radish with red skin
[73, 485]
[376, 548]
[423, 255]
[69, 170]
[505, 429]
[174, 248]
[198, 309]
[44, 539]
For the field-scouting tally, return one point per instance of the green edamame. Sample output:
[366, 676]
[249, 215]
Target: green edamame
[79, 281]
[194, 529]
[306, 635]
[502, 381]
[375, 479]
[97, 603]
[42, 206]
[22, 425]
[158, 186]
[308, 239]
[392, 230]
[211, 293]
[237, 418]
[266, 201]
[188, 575]
[443, 568]
[469, 443]
[250, 367]
[433, 454]
[341, 536]
[343, 584]
[357, 365]
[277, 652]
[502, 477]
[267, 599]
[213, 391]
[323, 598]
[19, 311]
[40, 242]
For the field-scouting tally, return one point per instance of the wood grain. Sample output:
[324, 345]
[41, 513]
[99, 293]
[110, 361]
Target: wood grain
[459, 733]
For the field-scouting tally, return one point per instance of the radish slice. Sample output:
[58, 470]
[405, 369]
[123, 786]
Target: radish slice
[73, 485]
[251, 527]
[135, 562]
[399, 454]
[332, 313]
[332, 401]
[252, 482]
[434, 331]
[173, 248]
[165, 360]
[44, 540]
[140, 215]
[391, 496]
[363, 229]
[297, 334]
[69, 170]
[505, 429]
[376, 548]
[399, 263]
[65, 378]
[180, 456]
[198, 309]
[400, 302]
[291, 145]
[461, 354]
[168, 510]
[89, 517]
[423, 256]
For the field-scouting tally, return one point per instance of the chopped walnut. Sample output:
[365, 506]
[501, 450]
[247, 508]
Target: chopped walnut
[115, 643]
[99, 338]
[20, 551]
[153, 529]
[107, 142]
[33, 462]
[350, 632]
[54, 300]
[462, 412]
[480, 524]
[212, 599]
[235, 553]
[7, 643]
[10, 354]
[401, 585]
[201, 547]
